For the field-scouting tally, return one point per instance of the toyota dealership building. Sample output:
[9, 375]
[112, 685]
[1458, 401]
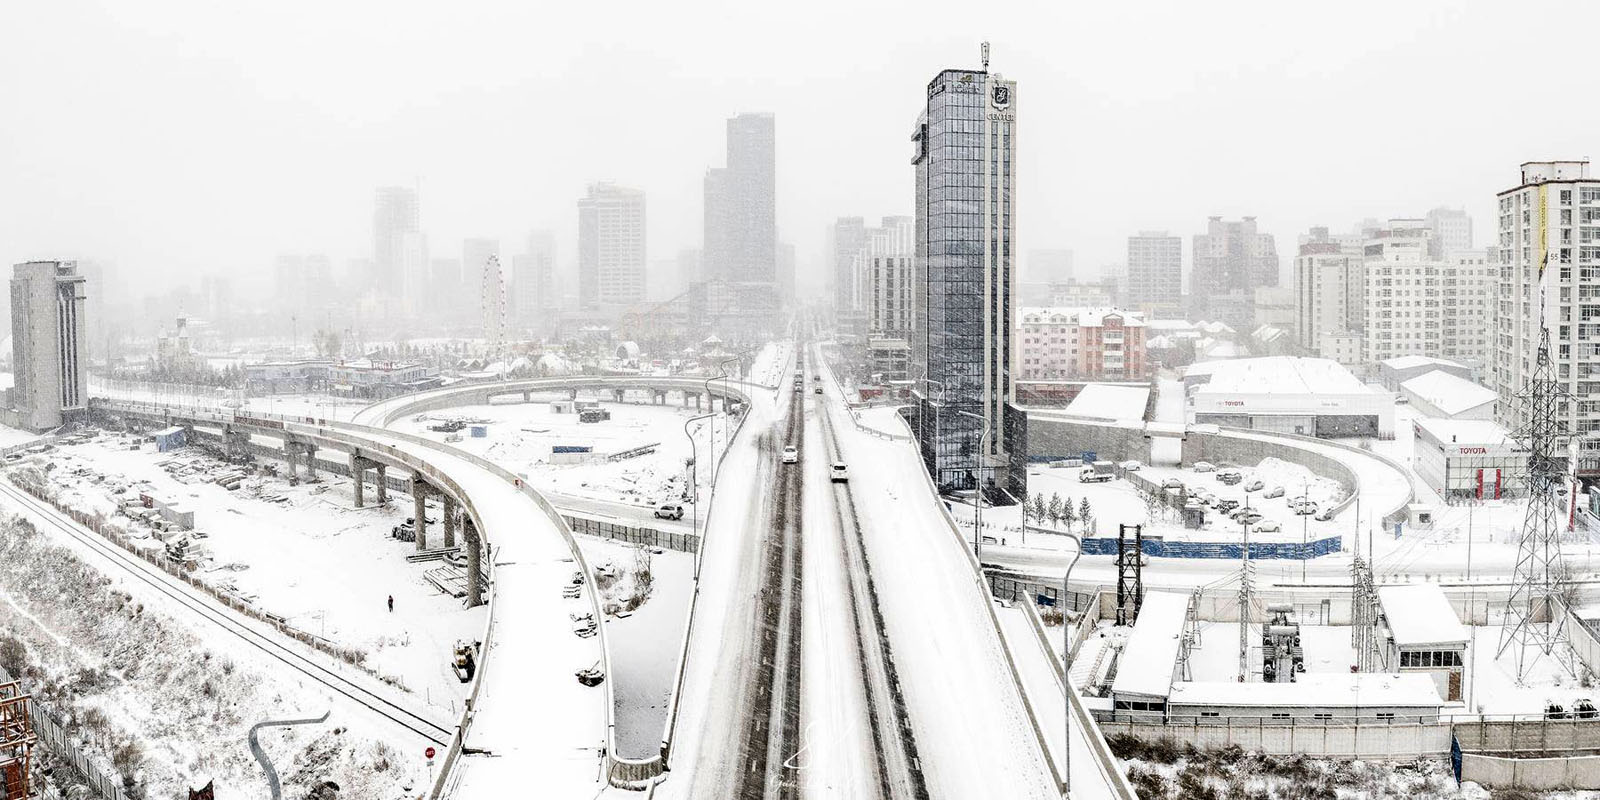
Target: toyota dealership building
[1288, 394]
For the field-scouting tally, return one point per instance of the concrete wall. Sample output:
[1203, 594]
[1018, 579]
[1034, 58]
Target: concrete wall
[1051, 438]
[1540, 774]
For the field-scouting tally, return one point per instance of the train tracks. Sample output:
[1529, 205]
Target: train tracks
[183, 595]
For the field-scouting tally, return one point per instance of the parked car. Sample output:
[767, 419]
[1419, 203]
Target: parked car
[1250, 517]
[669, 511]
[1131, 466]
[819, 388]
[790, 455]
[1276, 491]
[1324, 515]
[1303, 506]
[1268, 526]
[1254, 486]
[840, 473]
[1204, 466]
[1172, 483]
[1206, 499]
[1226, 506]
[1230, 477]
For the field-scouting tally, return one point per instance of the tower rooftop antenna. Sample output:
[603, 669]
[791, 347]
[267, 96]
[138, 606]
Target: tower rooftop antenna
[985, 56]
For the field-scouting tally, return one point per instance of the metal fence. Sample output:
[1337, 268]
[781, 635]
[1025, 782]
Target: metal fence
[681, 542]
[53, 735]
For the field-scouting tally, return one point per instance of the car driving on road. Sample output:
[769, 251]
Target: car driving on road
[839, 473]
[790, 455]
[669, 511]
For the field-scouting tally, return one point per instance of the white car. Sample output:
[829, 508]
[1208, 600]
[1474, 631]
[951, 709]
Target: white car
[1276, 491]
[1204, 466]
[840, 473]
[669, 511]
[1131, 466]
[791, 455]
[1268, 526]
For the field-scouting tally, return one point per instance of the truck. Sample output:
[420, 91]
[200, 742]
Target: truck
[1098, 472]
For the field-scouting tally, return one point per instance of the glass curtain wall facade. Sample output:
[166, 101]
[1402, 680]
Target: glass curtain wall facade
[965, 228]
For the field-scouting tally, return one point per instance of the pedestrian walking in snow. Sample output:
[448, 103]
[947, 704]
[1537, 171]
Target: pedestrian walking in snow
[391, 604]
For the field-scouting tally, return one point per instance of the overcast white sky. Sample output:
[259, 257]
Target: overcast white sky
[173, 138]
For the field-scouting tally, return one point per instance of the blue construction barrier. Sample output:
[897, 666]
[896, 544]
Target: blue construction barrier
[1160, 548]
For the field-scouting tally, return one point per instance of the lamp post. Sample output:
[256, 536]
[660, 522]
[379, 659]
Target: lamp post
[716, 465]
[694, 490]
[711, 401]
[977, 477]
[1066, 665]
[938, 408]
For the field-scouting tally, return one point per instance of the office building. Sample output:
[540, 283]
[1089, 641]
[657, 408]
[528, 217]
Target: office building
[1418, 304]
[611, 247]
[741, 224]
[49, 357]
[1329, 290]
[965, 165]
[846, 237]
[1231, 260]
[396, 214]
[1549, 279]
[1155, 271]
[533, 276]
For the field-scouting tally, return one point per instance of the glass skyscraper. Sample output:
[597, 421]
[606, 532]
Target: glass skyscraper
[965, 232]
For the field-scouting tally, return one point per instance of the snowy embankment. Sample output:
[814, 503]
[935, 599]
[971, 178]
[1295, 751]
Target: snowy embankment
[160, 702]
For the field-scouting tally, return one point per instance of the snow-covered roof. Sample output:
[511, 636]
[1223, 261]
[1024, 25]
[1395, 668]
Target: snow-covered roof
[1268, 333]
[1151, 656]
[1315, 689]
[1283, 375]
[1215, 328]
[1451, 394]
[1407, 362]
[1110, 401]
[1171, 324]
[1161, 342]
[1214, 348]
[1466, 431]
[1419, 615]
[1085, 316]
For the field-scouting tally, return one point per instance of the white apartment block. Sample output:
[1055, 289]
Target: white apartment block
[1421, 305]
[886, 262]
[1155, 270]
[1551, 220]
[1329, 291]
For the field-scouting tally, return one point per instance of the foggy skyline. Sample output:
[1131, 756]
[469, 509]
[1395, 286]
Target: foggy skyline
[176, 139]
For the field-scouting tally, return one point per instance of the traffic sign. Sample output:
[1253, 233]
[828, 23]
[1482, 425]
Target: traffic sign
[429, 752]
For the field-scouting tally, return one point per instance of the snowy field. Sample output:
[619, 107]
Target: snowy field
[302, 552]
[521, 436]
[645, 640]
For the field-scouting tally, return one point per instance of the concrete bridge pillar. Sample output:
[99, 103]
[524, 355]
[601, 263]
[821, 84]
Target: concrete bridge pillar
[658, 397]
[685, 399]
[358, 468]
[697, 399]
[572, 394]
[383, 483]
[474, 563]
[527, 397]
[311, 462]
[449, 521]
[619, 395]
[419, 506]
[292, 460]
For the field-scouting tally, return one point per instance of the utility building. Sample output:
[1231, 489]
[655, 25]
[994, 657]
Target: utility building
[48, 344]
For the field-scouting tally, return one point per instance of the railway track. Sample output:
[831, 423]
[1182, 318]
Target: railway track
[167, 585]
[898, 767]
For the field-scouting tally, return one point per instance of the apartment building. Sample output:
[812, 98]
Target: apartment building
[1418, 304]
[1081, 344]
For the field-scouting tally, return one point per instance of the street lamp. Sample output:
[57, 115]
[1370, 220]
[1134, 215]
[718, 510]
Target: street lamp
[977, 476]
[694, 490]
[716, 466]
[938, 407]
[1066, 664]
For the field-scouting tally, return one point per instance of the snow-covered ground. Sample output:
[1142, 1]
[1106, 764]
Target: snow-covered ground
[644, 642]
[520, 437]
[301, 552]
[169, 694]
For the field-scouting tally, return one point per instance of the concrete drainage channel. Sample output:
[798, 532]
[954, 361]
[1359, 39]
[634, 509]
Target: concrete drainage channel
[261, 755]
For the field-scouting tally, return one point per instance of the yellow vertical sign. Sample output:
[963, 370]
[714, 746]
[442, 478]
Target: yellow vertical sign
[1544, 230]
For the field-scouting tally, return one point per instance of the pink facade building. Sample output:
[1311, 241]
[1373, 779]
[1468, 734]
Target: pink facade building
[1081, 344]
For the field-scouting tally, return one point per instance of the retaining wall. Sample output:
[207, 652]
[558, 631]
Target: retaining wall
[1539, 774]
